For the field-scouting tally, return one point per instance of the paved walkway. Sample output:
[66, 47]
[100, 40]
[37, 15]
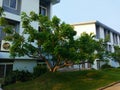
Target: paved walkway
[114, 87]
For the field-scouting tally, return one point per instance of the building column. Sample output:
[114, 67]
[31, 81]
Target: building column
[101, 32]
[1, 2]
[118, 39]
[111, 37]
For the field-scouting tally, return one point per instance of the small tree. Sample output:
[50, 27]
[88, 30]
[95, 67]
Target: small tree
[102, 53]
[116, 54]
[86, 47]
[53, 39]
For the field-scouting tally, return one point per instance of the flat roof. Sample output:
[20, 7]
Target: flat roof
[97, 23]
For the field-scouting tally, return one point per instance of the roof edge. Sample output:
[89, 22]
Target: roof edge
[83, 23]
[55, 1]
[97, 23]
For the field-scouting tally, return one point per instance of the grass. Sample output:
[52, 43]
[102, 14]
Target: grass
[77, 80]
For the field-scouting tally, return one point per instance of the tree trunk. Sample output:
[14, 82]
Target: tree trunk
[47, 63]
[56, 66]
[54, 69]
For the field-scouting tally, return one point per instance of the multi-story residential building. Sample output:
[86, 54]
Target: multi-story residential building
[101, 31]
[12, 10]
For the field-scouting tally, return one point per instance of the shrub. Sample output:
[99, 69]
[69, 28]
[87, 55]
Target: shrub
[16, 75]
[106, 66]
[118, 67]
[39, 70]
[10, 78]
[23, 76]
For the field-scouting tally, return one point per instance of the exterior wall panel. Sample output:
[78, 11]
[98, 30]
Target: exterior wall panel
[88, 28]
[26, 65]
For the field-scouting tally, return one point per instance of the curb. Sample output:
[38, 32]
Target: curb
[102, 88]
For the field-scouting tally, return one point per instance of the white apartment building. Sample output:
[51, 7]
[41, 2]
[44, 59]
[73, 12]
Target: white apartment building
[101, 31]
[12, 10]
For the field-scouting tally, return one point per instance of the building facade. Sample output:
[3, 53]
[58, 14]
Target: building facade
[101, 31]
[13, 10]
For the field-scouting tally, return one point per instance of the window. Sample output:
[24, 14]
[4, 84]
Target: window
[98, 64]
[44, 7]
[115, 40]
[83, 65]
[11, 3]
[12, 6]
[110, 48]
[5, 69]
[89, 65]
[2, 34]
[15, 27]
[43, 11]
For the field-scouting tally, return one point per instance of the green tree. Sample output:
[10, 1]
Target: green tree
[86, 47]
[116, 54]
[102, 53]
[54, 41]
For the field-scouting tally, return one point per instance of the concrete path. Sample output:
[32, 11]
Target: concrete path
[114, 87]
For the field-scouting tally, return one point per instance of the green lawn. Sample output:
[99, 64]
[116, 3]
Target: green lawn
[77, 80]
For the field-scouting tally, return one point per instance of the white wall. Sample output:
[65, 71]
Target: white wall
[1, 3]
[113, 63]
[24, 65]
[88, 28]
[30, 5]
[27, 6]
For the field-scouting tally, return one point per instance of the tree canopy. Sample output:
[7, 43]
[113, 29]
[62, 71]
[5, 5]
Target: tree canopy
[86, 46]
[52, 42]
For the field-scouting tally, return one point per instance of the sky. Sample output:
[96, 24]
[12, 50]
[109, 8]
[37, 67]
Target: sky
[75, 11]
